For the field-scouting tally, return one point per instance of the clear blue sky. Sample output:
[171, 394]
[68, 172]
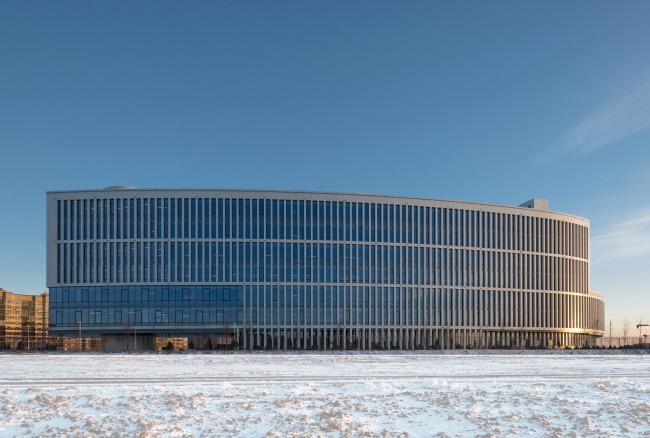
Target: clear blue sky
[483, 101]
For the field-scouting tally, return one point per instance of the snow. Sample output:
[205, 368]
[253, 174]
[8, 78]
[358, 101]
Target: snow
[329, 395]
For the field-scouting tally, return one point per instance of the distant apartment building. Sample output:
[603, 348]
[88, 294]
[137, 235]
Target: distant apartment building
[24, 324]
[23, 320]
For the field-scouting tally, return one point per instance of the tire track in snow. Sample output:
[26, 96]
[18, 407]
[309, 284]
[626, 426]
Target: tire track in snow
[253, 380]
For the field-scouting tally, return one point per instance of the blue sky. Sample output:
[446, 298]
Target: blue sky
[493, 102]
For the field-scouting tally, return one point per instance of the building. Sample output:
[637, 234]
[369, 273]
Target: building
[282, 269]
[66, 343]
[23, 320]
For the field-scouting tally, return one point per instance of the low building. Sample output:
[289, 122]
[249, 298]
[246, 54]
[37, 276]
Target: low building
[63, 343]
[178, 343]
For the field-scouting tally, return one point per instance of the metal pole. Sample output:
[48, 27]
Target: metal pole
[358, 338]
[79, 335]
[639, 327]
[135, 339]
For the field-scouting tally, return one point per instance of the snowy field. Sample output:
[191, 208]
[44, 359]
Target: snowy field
[329, 395]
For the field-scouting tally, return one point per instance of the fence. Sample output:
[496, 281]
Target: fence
[266, 342]
[47, 342]
[623, 342]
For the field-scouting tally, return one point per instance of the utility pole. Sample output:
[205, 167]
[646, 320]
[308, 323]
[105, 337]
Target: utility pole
[639, 327]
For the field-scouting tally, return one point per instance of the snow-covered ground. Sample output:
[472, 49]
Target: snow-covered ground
[333, 395]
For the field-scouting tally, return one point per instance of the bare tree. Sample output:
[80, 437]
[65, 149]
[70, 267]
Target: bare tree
[249, 330]
[249, 335]
[591, 339]
[127, 328]
[153, 334]
[178, 336]
[626, 330]
[338, 340]
[226, 329]
[204, 336]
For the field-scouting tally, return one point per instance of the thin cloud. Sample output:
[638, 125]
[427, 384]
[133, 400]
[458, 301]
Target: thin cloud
[617, 120]
[628, 239]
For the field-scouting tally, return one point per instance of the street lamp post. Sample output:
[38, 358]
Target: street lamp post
[358, 338]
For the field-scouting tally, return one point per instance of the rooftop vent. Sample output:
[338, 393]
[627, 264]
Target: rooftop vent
[119, 188]
[536, 204]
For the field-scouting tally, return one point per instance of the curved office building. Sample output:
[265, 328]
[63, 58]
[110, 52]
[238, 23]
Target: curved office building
[303, 270]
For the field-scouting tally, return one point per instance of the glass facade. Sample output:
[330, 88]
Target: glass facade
[140, 258]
